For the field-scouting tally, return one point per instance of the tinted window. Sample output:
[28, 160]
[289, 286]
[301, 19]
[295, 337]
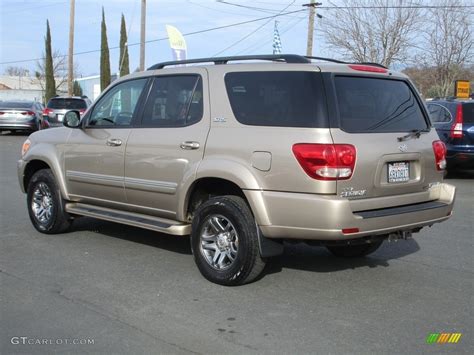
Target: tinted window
[377, 105]
[438, 113]
[117, 106]
[15, 104]
[287, 99]
[174, 101]
[67, 104]
[468, 112]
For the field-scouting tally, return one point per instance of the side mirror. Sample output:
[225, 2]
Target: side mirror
[72, 119]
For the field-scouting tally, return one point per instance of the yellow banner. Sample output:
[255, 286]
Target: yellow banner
[462, 89]
[176, 38]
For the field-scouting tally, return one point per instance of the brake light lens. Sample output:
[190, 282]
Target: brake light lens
[326, 161]
[81, 111]
[28, 113]
[456, 128]
[368, 68]
[439, 149]
[2, 113]
[47, 111]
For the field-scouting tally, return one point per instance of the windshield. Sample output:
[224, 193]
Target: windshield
[377, 105]
[68, 104]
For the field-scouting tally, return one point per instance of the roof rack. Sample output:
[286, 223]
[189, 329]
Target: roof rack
[373, 64]
[288, 58]
[327, 59]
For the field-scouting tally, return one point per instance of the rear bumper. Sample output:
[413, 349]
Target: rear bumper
[15, 124]
[460, 158]
[319, 217]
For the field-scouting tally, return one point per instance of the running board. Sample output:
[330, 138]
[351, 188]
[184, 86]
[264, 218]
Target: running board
[158, 224]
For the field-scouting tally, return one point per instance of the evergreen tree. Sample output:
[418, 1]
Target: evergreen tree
[104, 56]
[50, 85]
[123, 59]
[76, 89]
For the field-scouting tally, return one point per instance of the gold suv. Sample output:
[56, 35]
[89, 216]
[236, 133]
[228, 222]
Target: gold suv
[244, 155]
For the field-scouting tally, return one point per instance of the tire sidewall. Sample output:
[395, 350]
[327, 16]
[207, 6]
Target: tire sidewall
[239, 270]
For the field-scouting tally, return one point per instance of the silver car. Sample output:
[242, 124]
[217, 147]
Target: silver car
[57, 106]
[20, 115]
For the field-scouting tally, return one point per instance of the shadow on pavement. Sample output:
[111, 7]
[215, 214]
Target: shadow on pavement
[318, 259]
[295, 256]
[175, 244]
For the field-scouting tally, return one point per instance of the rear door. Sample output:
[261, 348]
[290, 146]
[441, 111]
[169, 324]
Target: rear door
[376, 114]
[468, 124]
[163, 154]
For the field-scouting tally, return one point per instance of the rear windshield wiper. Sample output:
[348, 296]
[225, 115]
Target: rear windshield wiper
[414, 133]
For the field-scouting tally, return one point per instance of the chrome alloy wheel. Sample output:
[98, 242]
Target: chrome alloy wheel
[219, 242]
[42, 203]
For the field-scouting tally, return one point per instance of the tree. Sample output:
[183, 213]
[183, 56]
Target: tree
[372, 30]
[16, 71]
[59, 70]
[450, 44]
[124, 67]
[50, 85]
[104, 56]
[76, 89]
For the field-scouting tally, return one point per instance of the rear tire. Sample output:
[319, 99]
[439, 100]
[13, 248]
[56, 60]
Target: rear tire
[224, 241]
[354, 251]
[46, 207]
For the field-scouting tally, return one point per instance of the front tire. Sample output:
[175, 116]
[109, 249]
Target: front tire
[224, 241]
[355, 251]
[45, 204]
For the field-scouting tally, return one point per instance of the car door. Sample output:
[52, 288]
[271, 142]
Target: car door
[94, 157]
[162, 155]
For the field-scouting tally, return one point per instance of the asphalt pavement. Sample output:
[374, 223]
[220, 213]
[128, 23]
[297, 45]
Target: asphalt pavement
[108, 288]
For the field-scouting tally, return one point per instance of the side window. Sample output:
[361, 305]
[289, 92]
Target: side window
[174, 101]
[433, 110]
[438, 113]
[116, 108]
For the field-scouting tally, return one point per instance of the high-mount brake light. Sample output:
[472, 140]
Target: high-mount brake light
[368, 68]
[326, 161]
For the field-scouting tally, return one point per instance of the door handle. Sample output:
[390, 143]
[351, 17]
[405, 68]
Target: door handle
[114, 142]
[188, 145]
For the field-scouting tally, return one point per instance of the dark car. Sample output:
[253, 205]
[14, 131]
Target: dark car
[20, 115]
[57, 106]
[454, 122]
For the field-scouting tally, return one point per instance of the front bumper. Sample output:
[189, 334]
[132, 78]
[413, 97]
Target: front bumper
[324, 217]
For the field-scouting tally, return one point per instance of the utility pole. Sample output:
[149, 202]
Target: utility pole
[70, 63]
[312, 10]
[142, 36]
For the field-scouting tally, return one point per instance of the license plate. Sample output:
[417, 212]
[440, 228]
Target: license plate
[60, 117]
[398, 172]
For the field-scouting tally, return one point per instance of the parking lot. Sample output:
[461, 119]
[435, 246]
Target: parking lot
[126, 290]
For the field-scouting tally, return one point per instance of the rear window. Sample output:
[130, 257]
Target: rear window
[377, 105]
[15, 104]
[276, 98]
[68, 104]
[468, 112]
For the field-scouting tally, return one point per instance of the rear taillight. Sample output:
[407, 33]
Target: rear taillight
[2, 113]
[47, 111]
[439, 149]
[367, 68]
[456, 128]
[28, 113]
[326, 161]
[81, 111]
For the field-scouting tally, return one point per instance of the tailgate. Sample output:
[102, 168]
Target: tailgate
[378, 115]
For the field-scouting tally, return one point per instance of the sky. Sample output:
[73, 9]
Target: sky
[23, 28]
